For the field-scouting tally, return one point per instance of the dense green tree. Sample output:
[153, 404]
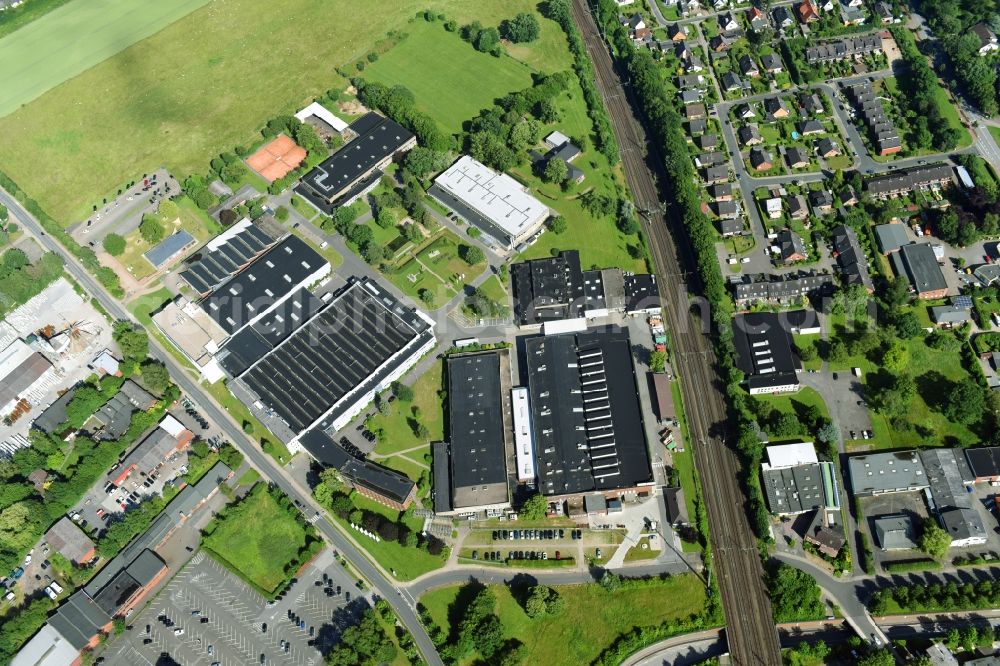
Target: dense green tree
[522, 28]
[965, 402]
[151, 229]
[558, 224]
[133, 342]
[422, 162]
[114, 245]
[471, 254]
[794, 594]
[935, 541]
[534, 507]
[155, 376]
[555, 171]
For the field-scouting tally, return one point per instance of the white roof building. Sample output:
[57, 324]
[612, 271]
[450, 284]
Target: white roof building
[790, 455]
[47, 648]
[496, 203]
[173, 427]
[556, 139]
[524, 444]
[106, 363]
[324, 114]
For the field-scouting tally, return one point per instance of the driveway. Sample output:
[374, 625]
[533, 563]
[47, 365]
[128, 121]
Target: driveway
[841, 391]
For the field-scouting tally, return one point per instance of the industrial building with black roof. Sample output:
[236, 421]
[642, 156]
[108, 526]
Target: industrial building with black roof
[357, 167]
[476, 461]
[226, 255]
[368, 478]
[286, 267]
[764, 353]
[585, 413]
[329, 368]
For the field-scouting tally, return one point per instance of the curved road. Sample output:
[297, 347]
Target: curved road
[385, 588]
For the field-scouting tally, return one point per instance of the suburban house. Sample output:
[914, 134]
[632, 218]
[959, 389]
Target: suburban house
[775, 108]
[731, 82]
[756, 18]
[789, 247]
[797, 208]
[676, 33]
[707, 141]
[842, 49]
[695, 111]
[884, 12]
[827, 147]
[807, 127]
[720, 43]
[726, 209]
[773, 207]
[721, 192]
[956, 313]
[749, 67]
[851, 15]
[807, 12]
[716, 174]
[772, 63]
[881, 131]
[745, 111]
[797, 157]
[821, 202]
[728, 23]
[730, 226]
[987, 40]
[782, 17]
[760, 159]
[811, 104]
[749, 135]
[780, 289]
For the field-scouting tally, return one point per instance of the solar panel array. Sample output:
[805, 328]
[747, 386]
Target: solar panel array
[339, 350]
[207, 269]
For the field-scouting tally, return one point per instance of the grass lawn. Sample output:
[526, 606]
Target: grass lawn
[496, 292]
[593, 618]
[189, 219]
[796, 403]
[179, 97]
[304, 208]
[995, 131]
[408, 563]
[435, 266]
[50, 50]
[406, 465]
[451, 80]
[399, 435]
[144, 306]
[238, 411]
[804, 341]
[256, 538]
[249, 477]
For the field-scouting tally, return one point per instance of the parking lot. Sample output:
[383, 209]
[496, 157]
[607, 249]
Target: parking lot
[207, 615]
[844, 396]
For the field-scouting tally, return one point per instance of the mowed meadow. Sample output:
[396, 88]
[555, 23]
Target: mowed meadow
[204, 84]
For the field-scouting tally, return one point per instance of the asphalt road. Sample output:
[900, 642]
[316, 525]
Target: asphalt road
[265, 464]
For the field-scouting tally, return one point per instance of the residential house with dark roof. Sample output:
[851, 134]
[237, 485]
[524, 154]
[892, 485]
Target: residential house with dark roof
[731, 82]
[843, 49]
[729, 227]
[695, 111]
[827, 147]
[987, 40]
[760, 159]
[749, 67]
[720, 43]
[690, 96]
[851, 260]
[772, 63]
[884, 12]
[780, 289]
[790, 247]
[953, 314]
[899, 183]
[891, 237]
[726, 209]
[697, 126]
[782, 17]
[728, 23]
[716, 174]
[811, 103]
[721, 192]
[676, 33]
[807, 127]
[775, 107]
[707, 141]
[745, 111]
[848, 197]
[797, 157]
[749, 135]
[797, 208]
[881, 132]
[821, 202]
[757, 18]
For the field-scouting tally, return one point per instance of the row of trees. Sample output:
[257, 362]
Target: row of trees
[922, 597]
[604, 137]
[330, 493]
[21, 280]
[399, 103]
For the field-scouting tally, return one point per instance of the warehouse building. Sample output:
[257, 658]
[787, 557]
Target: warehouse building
[329, 369]
[356, 169]
[795, 481]
[70, 541]
[882, 473]
[23, 373]
[226, 255]
[984, 464]
[552, 289]
[494, 202]
[919, 266]
[585, 414]
[170, 437]
[764, 353]
[479, 433]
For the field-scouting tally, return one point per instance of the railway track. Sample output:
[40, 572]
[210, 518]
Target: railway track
[751, 632]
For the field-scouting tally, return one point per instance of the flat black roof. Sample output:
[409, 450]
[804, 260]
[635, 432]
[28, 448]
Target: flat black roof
[476, 420]
[585, 412]
[984, 462]
[349, 346]
[641, 293]
[258, 287]
[254, 341]
[441, 464]
[384, 481]
[764, 349]
[208, 268]
[378, 138]
[548, 289]
[79, 619]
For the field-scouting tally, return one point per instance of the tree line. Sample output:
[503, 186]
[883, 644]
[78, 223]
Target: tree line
[928, 597]
[928, 127]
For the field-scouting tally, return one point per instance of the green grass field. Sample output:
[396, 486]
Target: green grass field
[451, 81]
[75, 37]
[205, 84]
[593, 618]
[257, 538]
[399, 434]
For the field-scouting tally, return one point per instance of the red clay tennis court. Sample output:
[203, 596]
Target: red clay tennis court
[275, 159]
